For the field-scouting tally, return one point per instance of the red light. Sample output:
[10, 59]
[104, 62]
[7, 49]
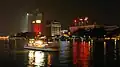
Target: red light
[37, 28]
[75, 21]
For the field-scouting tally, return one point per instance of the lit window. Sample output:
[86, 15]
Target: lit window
[38, 21]
[33, 21]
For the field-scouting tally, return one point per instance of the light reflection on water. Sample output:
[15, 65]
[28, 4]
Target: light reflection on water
[89, 53]
[41, 59]
[82, 56]
[38, 58]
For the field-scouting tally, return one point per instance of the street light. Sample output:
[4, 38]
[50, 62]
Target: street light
[27, 14]
[86, 18]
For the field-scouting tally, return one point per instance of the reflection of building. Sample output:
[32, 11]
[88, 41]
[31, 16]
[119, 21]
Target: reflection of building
[35, 21]
[53, 28]
[49, 59]
[81, 53]
[65, 52]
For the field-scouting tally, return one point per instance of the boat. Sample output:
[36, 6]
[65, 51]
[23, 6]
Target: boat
[41, 44]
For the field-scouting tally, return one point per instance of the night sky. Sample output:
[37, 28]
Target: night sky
[101, 11]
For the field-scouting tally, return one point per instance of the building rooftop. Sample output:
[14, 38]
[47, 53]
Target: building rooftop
[52, 22]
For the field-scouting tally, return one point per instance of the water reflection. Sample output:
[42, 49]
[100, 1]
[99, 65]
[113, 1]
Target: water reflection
[65, 54]
[49, 59]
[31, 57]
[42, 59]
[81, 53]
[39, 58]
[36, 58]
[84, 53]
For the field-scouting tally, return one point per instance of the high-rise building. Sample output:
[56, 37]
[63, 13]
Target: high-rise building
[35, 20]
[53, 28]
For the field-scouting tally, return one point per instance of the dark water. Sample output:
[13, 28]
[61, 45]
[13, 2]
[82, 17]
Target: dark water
[101, 54]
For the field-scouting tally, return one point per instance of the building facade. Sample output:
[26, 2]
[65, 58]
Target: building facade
[35, 22]
[82, 23]
[53, 28]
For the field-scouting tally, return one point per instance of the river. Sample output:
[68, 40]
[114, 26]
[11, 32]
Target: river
[103, 53]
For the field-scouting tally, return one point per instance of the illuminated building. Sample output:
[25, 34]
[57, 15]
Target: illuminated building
[35, 21]
[53, 28]
[82, 23]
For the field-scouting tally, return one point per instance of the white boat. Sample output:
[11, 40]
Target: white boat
[40, 44]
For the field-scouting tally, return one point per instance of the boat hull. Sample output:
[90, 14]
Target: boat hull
[41, 49]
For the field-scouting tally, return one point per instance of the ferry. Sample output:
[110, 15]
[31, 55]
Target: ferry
[41, 44]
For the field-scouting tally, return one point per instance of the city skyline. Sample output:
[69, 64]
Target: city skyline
[62, 33]
[13, 12]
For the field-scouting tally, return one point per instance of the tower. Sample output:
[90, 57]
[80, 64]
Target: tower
[35, 20]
